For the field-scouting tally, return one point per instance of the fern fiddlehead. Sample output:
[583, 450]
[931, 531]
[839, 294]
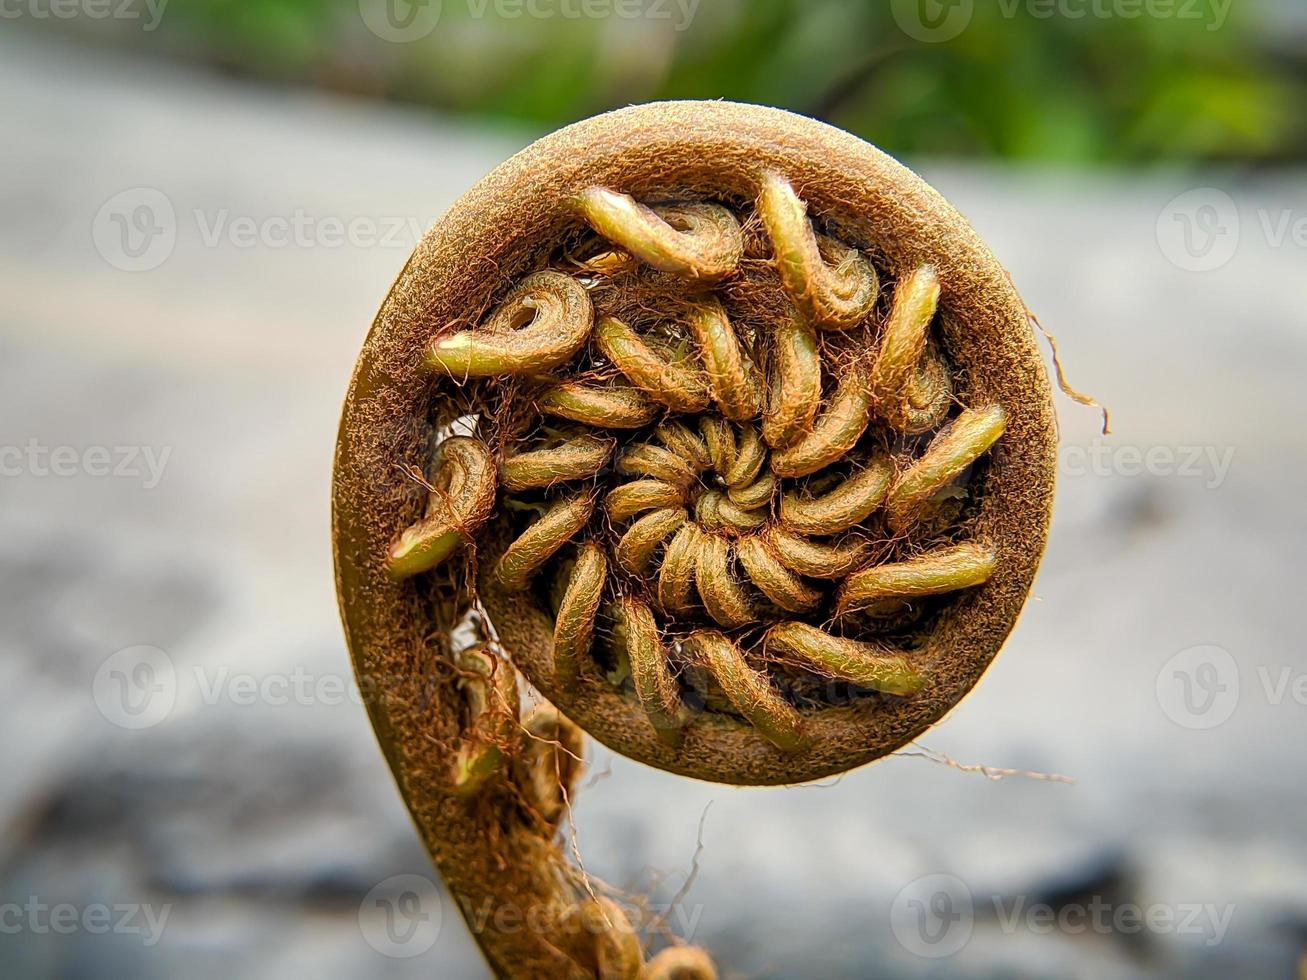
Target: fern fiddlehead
[752, 476]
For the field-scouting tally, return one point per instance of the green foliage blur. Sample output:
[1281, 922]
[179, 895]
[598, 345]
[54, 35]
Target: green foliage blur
[1092, 83]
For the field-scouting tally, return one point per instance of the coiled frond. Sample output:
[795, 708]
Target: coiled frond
[729, 496]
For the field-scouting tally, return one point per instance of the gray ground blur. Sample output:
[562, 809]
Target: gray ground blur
[264, 825]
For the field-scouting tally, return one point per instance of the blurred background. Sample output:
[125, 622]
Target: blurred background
[202, 204]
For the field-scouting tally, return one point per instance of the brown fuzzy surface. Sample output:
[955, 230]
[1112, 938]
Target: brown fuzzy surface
[397, 632]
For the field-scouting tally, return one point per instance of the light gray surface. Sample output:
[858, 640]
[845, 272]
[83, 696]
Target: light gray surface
[265, 824]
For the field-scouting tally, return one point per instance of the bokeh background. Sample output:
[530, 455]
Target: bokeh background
[202, 203]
